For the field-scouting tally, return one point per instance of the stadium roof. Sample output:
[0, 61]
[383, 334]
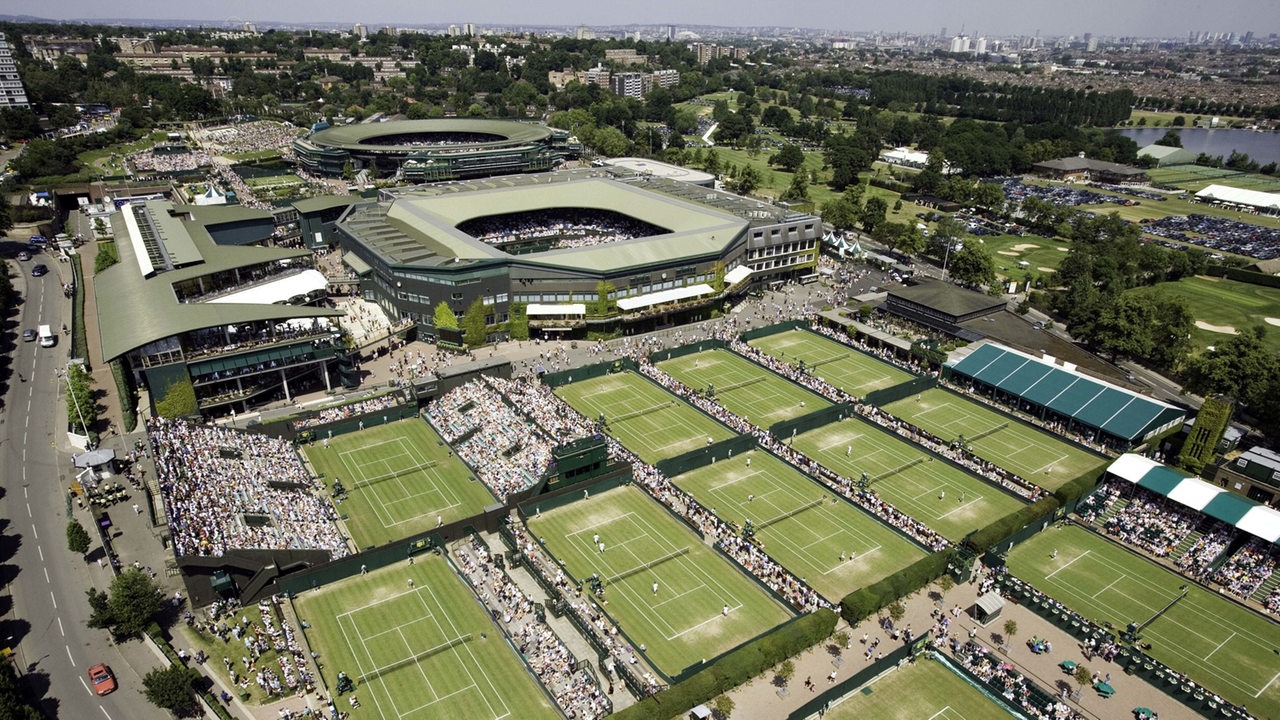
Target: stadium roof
[948, 298]
[1218, 503]
[646, 166]
[135, 309]
[356, 137]
[1094, 403]
[1240, 196]
[421, 228]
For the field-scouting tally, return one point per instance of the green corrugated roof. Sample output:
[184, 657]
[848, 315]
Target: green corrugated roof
[1161, 479]
[1228, 507]
[134, 311]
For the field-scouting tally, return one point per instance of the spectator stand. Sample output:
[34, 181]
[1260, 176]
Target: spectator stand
[344, 417]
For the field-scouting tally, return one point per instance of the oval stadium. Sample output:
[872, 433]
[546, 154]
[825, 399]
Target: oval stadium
[429, 150]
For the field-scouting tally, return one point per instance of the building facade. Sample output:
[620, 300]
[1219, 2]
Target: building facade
[12, 92]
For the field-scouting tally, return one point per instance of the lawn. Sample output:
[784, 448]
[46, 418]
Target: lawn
[745, 388]
[1229, 650]
[1042, 255]
[703, 605]
[829, 542]
[647, 419]
[401, 480]
[848, 369]
[426, 650]
[923, 690]
[947, 499]
[1196, 177]
[1035, 455]
[1226, 303]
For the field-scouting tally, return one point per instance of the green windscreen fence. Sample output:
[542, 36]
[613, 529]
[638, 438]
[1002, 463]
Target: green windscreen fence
[811, 421]
[704, 456]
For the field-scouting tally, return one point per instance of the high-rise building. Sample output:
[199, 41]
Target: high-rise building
[12, 94]
[631, 84]
[360, 31]
[980, 46]
[468, 29]
[960, 44]
[671, 33]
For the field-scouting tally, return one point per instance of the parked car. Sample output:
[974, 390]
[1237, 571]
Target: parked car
[103, 681]
[39, 270]
[23, 255]
[28, 335]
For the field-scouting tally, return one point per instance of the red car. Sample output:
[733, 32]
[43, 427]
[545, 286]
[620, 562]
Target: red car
[103, 681]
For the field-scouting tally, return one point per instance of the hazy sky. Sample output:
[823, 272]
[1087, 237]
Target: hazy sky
[977, 17]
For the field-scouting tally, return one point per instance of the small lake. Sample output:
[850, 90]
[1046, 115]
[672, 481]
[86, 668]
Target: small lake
[1263, 147]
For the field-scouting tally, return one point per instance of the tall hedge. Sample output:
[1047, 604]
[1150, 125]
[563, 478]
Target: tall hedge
[991, 535]
[871, 599]
[1078, 487]
[735, 668]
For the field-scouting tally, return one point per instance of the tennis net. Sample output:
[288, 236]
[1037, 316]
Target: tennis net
[740, 384]
[895, 471]
[790, 513]
[824, 361]
[642, 411]
[393, 475]
[989, 431]
[415, 658]
[647, 566]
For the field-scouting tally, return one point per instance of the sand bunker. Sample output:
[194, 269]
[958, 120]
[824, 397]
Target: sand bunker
[1272, 321]
[1045, 269]
[1010, 253]
[1023, 247]
[1224, 329]
[1062, 249]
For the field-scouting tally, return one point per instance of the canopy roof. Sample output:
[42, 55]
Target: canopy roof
[737, 275]
[1089, 401]
[556, 310]
[278, 291]
[1240, 196]
[665, 296]
[1235, 510]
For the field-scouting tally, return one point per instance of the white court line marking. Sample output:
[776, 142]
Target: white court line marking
[1224, 642]
[1264, 687]
[1108, 587]
[1064, 567]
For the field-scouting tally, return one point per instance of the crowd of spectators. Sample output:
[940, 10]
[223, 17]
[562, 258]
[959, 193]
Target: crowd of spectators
[255, 633]
[1152, 522]
[1010, 684]
[1069, 196]
[347, 410]
[247, 137]
[558, 228]
[1272, 601]
[226, 489]
[621, 657]
[1245, 571]
[1218, 233]
[574, 689]
[508, 451]
[1197, 561]
[168, 162]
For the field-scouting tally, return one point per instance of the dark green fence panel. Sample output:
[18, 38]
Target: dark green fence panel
[811, 421]
[672, 353]
[564, 377]
[773, 329]
[882, 397]
[694, 459]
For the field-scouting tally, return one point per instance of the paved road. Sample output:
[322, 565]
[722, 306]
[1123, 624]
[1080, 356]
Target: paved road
[44, 605]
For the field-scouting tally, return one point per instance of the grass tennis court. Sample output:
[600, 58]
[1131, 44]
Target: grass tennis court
[922, 690]
[855, 372]
[1226, 648]
[647, 419]
[830, 543]
[1037, 456]
[703, 606]
[416, 652]
[743, 387]
[945, 498]
[400, 478]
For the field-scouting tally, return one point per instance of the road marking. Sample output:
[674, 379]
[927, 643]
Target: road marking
[29, 510]
[55, 602]
[34, 534]
[41, 551]
[82, 682]
[73, 660]
[46, 576]
[104, 712]
[24, 491]
[60, 628]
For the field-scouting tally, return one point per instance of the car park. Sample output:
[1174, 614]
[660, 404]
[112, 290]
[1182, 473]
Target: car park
[103, 681]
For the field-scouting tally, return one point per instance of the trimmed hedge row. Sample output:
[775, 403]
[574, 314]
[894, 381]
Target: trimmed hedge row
[735, 668]
[993, 534]
[871, 599]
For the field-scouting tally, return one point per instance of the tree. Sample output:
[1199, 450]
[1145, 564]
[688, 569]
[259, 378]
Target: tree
[797, 190]
[82, 411]
[748, 181]
[473, 325]
[77, 537]
[171, 688]
[1242, 367]
[723, 706]
[972, 266]
[134, 600]
[1083, 677]
[786, 671]
[897, 611]
[179, 401]
[1172, 138]
[13, 705]
[1010, 629]
[841, 213]
[789, 157]
[873, 212]
[444, 319]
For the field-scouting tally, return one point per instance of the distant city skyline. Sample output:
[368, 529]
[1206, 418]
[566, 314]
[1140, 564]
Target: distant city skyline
[1143, 18]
